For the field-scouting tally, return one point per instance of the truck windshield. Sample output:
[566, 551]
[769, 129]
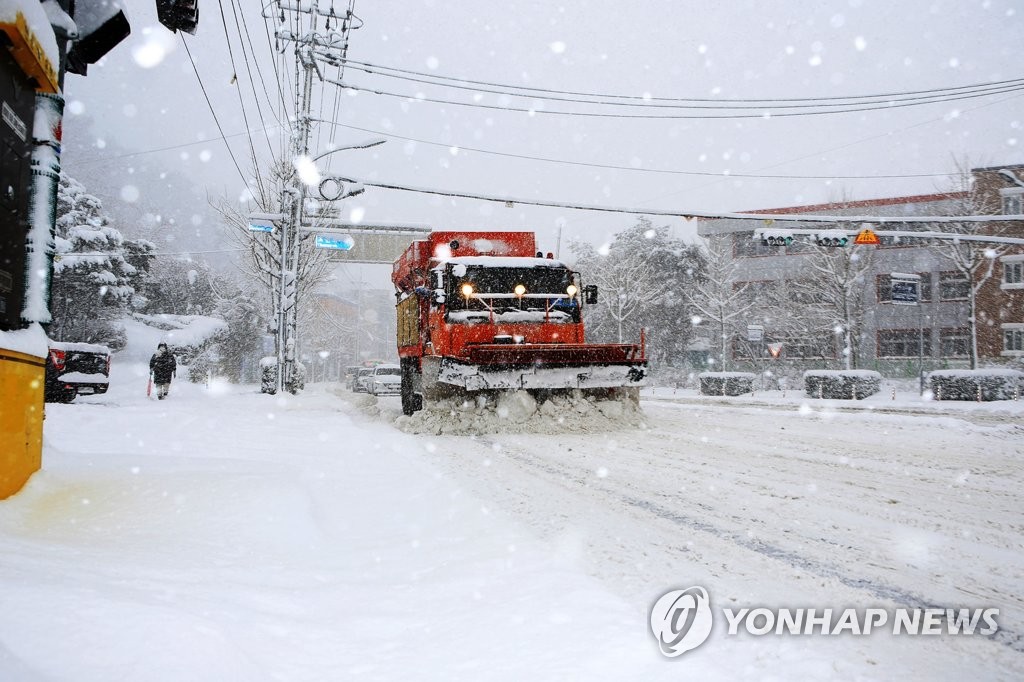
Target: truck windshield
[503, 281]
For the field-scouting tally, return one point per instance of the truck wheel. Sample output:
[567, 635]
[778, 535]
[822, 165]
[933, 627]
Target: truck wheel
[411, 402]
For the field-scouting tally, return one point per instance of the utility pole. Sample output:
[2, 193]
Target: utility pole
[311, 43]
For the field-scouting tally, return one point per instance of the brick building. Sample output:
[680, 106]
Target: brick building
[1000, 302]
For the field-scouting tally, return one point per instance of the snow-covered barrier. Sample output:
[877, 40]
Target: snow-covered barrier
[976, 384]
[726, 383]
[850, 384]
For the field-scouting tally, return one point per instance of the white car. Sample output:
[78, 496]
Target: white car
[361, 379]
[385, 380]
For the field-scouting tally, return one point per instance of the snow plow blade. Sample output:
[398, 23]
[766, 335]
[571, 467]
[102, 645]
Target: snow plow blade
[545, 367]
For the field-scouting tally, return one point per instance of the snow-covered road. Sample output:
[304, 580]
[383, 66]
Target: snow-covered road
[224, 534]
[786, 508]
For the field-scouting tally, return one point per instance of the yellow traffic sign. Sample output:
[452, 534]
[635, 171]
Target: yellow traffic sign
[867, 237]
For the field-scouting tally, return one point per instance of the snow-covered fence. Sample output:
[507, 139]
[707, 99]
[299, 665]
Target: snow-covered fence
[850, 384]
[726, 383]
[976, 384]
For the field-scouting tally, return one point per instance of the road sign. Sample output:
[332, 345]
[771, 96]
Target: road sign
[905, 289]
[261, 227]
[338, 243]
[866, 237]
[755, 332]
[775, 349]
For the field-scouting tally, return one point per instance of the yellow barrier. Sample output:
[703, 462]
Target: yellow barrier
[22, 380]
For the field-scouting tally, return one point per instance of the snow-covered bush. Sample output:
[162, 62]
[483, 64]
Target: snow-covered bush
[976, 384]
[851, 384]
[726, 383]
[268, 375]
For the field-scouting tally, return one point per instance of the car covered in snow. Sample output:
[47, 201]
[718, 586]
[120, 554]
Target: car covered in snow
[74, 369]
[384, 380]
[359, 382]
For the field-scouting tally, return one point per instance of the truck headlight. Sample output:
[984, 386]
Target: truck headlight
[467, 290]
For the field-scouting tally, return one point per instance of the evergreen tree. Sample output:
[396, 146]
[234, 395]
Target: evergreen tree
[95, 269]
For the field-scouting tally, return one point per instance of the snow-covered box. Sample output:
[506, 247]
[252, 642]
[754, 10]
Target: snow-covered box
[849, 384]
[976, 384]
[726, 383]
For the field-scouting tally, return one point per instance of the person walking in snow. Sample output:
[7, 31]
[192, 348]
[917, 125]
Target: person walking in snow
[162, 366]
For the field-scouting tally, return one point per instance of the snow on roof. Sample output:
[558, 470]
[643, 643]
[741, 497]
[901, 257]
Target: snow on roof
[502, 262]
[31, 341]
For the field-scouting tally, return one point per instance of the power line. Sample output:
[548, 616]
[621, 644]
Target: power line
[922, 97]
[767, 114]
[241, 103]
[212, 112]
[373, 68]
[724, 174]
[171, 147]
[688, 214]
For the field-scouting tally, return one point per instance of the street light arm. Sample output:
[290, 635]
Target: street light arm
[364, 145]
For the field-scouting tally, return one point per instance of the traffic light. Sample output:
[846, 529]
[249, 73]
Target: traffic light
[832, 238]
[776, 240]
[178, 14]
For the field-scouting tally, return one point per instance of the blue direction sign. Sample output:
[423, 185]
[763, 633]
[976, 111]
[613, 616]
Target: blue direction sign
[261, 227]
[339, 243]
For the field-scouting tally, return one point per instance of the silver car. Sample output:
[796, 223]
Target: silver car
[385, 380]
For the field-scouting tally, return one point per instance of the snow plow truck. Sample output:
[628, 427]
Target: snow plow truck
[481, 313]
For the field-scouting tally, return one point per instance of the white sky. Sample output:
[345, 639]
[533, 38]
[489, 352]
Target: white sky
[745, 49]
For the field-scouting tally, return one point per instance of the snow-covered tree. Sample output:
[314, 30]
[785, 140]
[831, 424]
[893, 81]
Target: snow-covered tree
[95, 269]
[641, 277]
[718, 299]
[835, 282]
[262, 250]
[974, 262]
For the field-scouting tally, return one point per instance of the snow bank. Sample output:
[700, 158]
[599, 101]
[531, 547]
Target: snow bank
[519, 412]
[235, 536]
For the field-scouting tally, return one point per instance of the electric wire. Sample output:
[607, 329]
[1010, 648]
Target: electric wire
[241, 101]
[884, 95]
[212, 112]
[822, 103]
[688, 214]
[608, 166]
[767, 114]
[252, 50]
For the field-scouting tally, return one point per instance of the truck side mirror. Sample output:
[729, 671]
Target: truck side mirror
[590, 294]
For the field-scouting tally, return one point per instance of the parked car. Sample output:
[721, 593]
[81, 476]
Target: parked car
[350, 376]
[362, 375]
[385, 380]
[74, 369]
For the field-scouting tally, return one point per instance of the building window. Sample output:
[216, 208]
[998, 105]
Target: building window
[809, 348]
[1013, 272]
[955, 343]
[953, 286]
[1012, 204]
[883, 288]
[902, 343]
[1013, 339]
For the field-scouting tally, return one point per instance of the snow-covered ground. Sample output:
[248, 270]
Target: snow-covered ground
[223, 534]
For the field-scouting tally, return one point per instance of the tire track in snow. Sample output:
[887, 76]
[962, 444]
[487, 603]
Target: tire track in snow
[899, 596]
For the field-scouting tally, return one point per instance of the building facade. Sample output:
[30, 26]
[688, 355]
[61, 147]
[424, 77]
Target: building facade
[1000, 298]
[892, 338]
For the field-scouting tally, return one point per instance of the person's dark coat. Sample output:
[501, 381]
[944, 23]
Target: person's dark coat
[163, 366]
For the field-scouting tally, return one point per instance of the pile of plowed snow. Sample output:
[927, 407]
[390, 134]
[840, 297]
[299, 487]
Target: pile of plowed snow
[519, 412]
